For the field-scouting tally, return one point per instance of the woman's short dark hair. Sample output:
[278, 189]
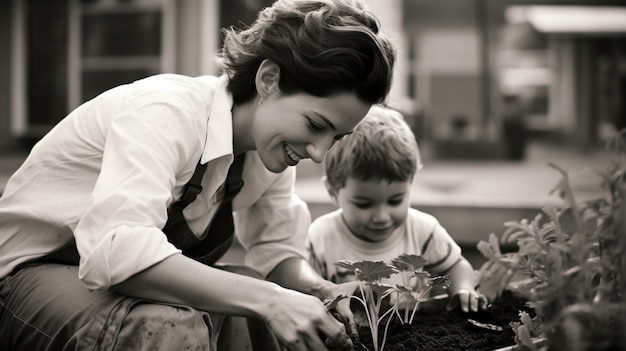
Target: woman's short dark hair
[322, 47]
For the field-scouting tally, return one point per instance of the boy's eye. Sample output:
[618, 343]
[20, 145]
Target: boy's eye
[362, 204]
[395, 202]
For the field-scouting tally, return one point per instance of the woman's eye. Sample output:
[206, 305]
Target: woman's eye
[314, 126]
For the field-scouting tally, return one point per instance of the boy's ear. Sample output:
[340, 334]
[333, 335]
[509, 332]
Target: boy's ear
[267, 78]
[330, 189]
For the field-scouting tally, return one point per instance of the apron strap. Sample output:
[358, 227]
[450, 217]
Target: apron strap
[218, 237]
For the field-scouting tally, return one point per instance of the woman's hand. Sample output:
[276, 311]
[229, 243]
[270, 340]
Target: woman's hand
[341, 310]
[298, 320]
[296, 273]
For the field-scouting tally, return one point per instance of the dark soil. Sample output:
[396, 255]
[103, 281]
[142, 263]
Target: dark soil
[434, 328]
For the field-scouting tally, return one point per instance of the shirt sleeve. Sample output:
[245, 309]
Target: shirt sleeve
[439, 248]
[314, 251]
[149, 150]
[274, 228]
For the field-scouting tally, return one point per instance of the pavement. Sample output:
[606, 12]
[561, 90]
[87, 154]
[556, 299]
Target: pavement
[471, 198]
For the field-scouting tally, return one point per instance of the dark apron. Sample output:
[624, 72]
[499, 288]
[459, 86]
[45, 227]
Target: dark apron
[218, 236]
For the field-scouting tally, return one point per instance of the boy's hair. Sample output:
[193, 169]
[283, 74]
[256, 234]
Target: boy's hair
[322, 47]
[382, 148]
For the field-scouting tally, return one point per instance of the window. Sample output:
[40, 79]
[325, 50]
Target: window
[68, 51]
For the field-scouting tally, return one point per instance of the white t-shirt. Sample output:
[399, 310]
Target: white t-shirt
[330, 240]
[105, 175]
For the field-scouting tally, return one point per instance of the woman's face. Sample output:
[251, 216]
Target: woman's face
[373, 210]
[287, 129]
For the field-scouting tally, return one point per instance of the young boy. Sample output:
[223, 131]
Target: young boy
[368, 175]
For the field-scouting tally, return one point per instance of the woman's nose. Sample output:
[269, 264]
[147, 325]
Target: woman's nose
[317, 150]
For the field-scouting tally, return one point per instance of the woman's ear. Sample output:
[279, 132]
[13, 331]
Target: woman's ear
[267, 78]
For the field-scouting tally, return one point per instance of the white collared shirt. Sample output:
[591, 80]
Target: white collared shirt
[105, 175]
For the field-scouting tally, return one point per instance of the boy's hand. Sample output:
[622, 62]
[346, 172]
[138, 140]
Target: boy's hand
[468, 300]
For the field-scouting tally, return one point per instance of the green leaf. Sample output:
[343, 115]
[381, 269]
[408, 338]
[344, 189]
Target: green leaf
[346, 264]
[409, 263]
[490, 249]
[368, 271]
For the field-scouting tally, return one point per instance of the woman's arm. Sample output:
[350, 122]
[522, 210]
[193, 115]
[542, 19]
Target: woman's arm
[181, 280]
[295, 273]
[295, 318]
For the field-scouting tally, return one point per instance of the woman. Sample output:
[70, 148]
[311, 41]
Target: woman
[107, 183]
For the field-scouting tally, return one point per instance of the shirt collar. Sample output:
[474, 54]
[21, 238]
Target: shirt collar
[219, 131]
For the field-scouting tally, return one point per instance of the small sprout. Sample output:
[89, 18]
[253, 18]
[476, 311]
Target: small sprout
[373, 292]
[416, 284]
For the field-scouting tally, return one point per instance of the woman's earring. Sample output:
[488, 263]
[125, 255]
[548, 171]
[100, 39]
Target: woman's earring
[261, 100]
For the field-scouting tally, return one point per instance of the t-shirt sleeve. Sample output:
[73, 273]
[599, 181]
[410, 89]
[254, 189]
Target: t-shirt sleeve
[315, 249]
[439, 248]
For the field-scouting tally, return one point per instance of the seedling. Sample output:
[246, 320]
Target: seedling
[373, 292]
[416, 284]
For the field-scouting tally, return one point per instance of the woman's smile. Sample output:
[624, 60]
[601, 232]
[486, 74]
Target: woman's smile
[292, 157]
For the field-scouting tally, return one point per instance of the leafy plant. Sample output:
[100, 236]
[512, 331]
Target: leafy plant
[373, 292]
[526, 330]
[570, 264]
[416, 283]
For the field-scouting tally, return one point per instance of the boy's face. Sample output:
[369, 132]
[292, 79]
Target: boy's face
[374, 209]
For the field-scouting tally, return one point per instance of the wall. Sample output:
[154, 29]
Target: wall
[448, 64]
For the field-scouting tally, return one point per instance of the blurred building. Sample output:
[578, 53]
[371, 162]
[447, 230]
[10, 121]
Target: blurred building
[488, 75]
[475, 78]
